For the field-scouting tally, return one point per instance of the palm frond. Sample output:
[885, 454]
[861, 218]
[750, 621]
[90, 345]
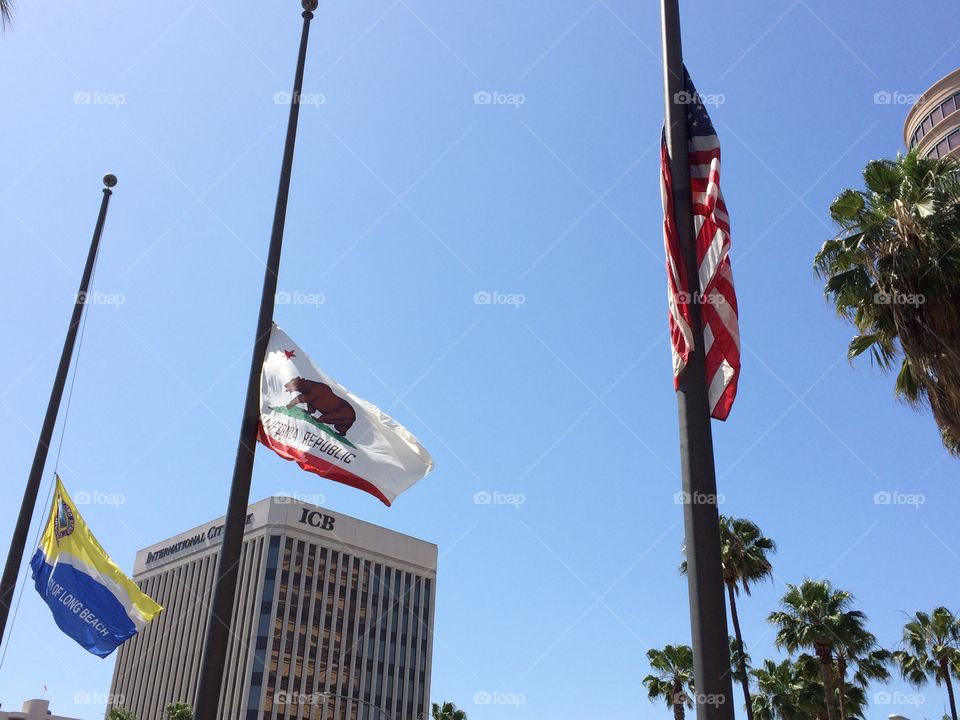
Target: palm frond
[893, 271]
[6, 13]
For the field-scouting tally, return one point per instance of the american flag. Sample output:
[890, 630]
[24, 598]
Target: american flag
[715, 296]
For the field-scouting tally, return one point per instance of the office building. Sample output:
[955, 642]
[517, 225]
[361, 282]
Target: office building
[933, 123]
[333, 620]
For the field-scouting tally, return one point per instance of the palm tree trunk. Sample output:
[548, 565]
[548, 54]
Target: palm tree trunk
[945, 671]
[741, 662]
[826, 671]
[678, 701]
[842, 674]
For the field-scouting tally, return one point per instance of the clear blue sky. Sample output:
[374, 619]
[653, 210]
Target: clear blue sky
[408, 198]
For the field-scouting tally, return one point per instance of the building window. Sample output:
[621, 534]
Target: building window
[263, 626]
[953, 139]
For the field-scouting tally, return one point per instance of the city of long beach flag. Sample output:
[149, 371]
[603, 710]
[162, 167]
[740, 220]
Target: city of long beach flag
[308, 417]
[716, 295]
[91, 599]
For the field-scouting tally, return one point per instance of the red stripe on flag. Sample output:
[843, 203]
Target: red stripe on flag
[678, 312]
[703, 157]
[319, 466]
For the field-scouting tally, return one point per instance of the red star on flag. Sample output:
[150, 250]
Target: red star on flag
[289, 354]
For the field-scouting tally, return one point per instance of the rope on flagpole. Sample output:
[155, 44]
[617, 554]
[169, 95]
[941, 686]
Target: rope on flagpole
[75, 364]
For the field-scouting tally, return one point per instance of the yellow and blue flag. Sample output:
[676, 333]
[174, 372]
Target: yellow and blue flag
[91, 599]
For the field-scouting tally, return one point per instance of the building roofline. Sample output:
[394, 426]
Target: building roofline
[272, 512]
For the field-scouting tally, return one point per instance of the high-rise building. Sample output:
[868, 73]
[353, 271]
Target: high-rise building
[933, 123]
[333, 620]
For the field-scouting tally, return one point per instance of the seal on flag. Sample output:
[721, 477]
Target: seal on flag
[63, 523]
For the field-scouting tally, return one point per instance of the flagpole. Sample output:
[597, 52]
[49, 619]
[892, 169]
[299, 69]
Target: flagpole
[708, 616]
[219, 623]
[17, 546]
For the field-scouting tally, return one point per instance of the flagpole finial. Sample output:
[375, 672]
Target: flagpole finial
[110, 180]
[309, 5]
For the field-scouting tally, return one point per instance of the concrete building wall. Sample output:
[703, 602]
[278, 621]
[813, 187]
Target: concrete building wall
[325, 604]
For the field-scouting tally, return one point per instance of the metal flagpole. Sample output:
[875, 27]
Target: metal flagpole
[708, 616]
[225, 585]
[17, 546]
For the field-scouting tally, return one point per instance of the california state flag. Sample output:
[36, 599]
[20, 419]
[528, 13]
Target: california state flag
[308, 417]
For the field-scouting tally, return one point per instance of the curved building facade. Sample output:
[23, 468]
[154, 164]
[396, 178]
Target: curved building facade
[933, 123]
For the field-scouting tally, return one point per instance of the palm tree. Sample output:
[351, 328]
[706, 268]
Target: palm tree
[784, 692]
[447, 711]
[738, 660]
[744, 555]
[858, 649]
[6, 13]
[816, 616]
[932, 650]
[672, 680]
[893, 271]
[179, 711]
[853, 700]
[119, 713]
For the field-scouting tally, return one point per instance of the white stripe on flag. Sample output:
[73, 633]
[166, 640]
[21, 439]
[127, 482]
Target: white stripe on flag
[702, 143]
[714, 255]
[728, 317]
[719, 382]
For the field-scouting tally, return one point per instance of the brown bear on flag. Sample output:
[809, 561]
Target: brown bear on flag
[380, 456]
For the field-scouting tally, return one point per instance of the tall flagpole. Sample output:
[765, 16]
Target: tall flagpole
[17, 546]
[708, 615]
[219, 623]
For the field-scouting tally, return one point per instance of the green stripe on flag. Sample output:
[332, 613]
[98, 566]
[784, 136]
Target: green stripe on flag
[299, 414]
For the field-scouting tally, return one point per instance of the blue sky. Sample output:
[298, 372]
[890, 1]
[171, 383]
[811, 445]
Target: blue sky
[410, 196]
